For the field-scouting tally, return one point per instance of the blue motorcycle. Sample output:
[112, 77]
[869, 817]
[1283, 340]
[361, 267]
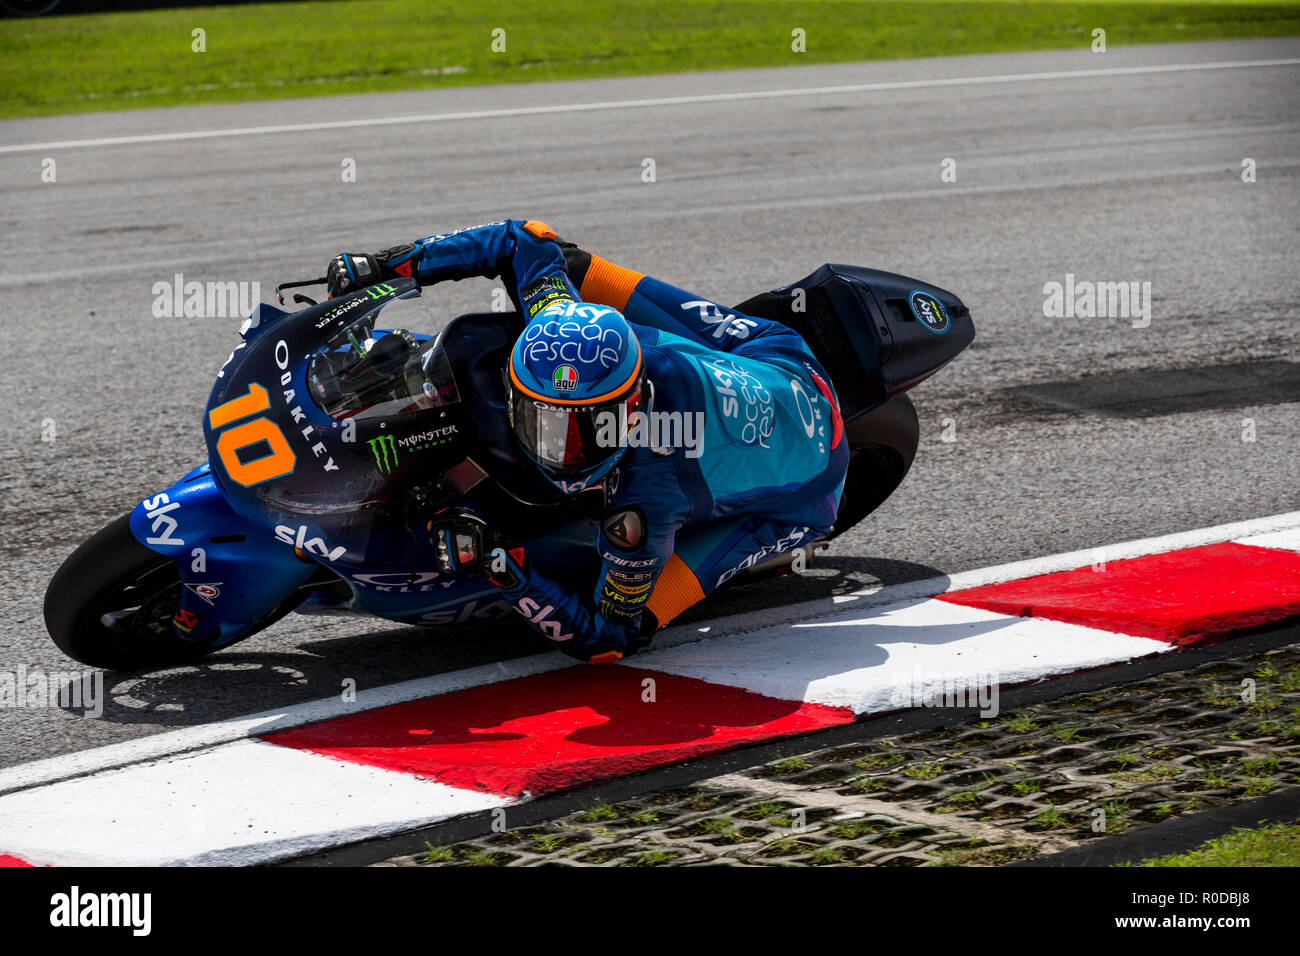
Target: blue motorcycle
[333, 444]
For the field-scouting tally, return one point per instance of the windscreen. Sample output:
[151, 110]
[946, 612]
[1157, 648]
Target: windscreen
[386, 363]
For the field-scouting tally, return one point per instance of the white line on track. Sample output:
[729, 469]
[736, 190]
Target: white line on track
[1282, 528]
[659, 101]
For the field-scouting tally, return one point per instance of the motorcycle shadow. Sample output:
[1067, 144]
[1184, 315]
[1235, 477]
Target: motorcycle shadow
[298, 668]
[314, 660]
[824, 578]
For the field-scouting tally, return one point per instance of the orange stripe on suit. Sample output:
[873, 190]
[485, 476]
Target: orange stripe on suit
[676, 589]
[609, 284]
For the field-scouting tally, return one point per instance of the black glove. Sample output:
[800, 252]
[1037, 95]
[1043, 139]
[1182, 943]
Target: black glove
[349, 271]
[466, 545]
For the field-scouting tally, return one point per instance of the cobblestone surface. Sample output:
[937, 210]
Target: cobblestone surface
[980, 792]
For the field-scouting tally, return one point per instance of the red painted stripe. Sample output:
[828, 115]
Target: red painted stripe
[563, 729]
[1183, 597]
[6, 860]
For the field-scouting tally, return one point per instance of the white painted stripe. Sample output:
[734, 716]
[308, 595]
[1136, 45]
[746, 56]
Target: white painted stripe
[1286, 540]
[870, 664]
[652, 102]
[208, 735]
[842, 607]
[238, 804]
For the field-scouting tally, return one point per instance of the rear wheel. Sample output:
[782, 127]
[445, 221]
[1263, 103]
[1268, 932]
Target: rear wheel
[882, 445]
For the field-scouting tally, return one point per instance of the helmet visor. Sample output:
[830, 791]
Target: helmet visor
[567, 440]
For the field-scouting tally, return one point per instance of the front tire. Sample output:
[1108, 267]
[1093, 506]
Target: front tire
[111, 602]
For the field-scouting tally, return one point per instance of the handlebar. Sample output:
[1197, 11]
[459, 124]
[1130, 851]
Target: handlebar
[298, 297]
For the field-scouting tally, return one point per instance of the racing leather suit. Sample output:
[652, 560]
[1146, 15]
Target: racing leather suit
[754, 469]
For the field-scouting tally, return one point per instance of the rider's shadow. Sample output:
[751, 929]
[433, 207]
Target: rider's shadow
[246, 680]
[828, 576]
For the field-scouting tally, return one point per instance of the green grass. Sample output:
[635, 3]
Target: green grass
[651, 858]
[437, 854]
[791, 765]
[1156, 771]
[1053, 818]
[827, 854]
[1018, 723]
[549, 842]
[980, 853]
[116, 61]
[923, 771]
[1278, 845]
[601, 811]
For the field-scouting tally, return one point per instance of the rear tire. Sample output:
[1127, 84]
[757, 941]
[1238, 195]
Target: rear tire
[882, 446]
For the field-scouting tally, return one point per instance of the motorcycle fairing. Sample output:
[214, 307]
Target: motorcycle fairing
[232, 571]
[337, 480]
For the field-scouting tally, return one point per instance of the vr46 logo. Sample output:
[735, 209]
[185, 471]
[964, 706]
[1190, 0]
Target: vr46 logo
[316, 546]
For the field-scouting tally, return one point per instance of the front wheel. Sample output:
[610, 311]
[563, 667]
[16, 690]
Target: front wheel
[111, 603]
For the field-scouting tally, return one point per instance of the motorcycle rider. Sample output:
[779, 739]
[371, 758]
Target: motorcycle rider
[715, 436]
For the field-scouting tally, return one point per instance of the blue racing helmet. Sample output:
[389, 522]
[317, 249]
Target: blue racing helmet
[575, 378]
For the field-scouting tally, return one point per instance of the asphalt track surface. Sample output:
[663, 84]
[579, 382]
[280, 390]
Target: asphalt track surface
[1131, 175]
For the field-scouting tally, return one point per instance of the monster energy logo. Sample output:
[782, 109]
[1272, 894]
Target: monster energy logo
[381, 447]
[379, 291]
